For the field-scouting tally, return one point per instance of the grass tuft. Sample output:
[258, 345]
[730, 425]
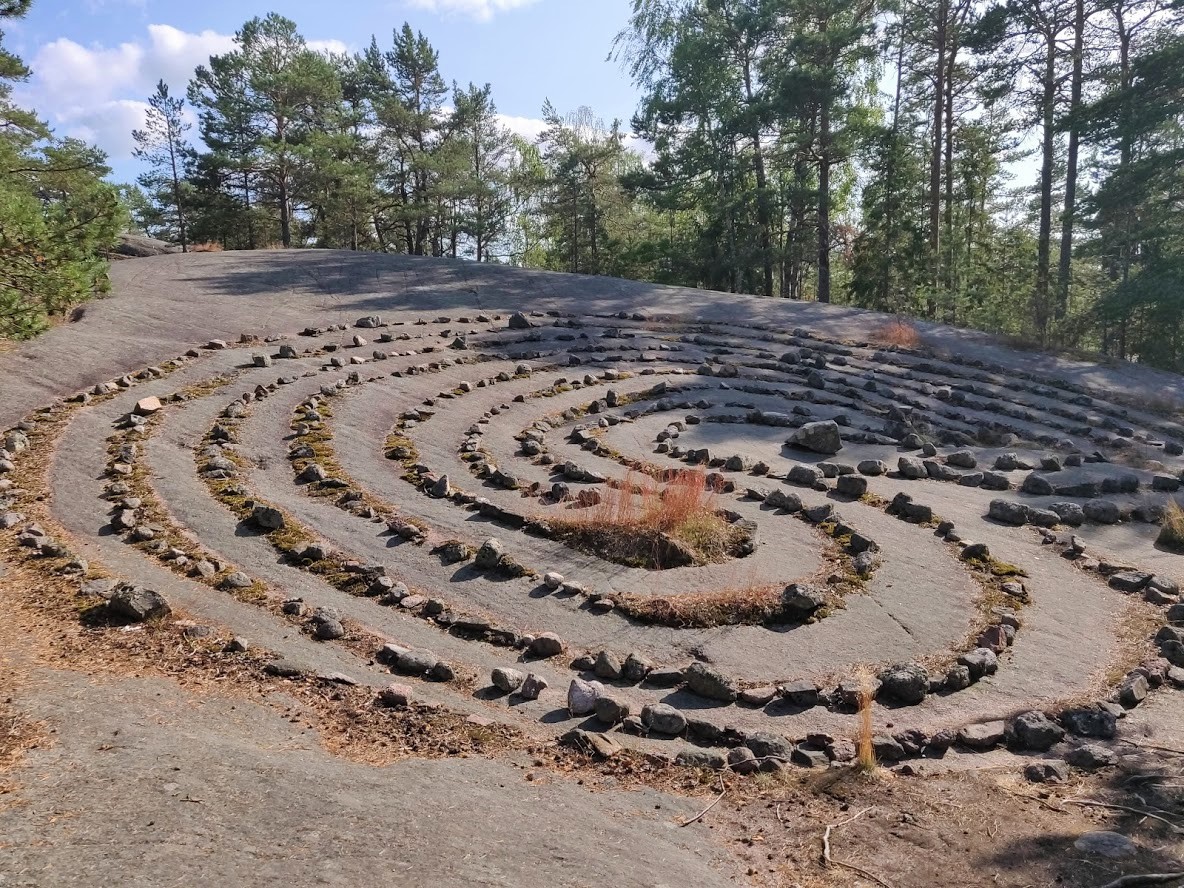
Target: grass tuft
[1171, 530]
[897, 332]
[865, 753]
[642, 524]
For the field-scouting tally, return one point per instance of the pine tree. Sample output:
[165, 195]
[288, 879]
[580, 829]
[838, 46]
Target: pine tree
[162, 145]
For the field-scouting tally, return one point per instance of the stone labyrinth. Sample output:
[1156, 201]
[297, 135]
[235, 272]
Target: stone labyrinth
[467, 512]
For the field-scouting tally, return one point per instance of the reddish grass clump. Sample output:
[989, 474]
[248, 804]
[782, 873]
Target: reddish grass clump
[641, 524]
[897, 332]
[206, 247]
[865, 753]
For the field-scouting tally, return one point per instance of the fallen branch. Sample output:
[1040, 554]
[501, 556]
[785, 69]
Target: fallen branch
[1140, 881]
[1170, 749]
[829, 861]
[723, 792]
[1140, 811]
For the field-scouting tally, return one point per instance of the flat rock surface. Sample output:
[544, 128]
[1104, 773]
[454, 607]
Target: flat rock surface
[145, 786]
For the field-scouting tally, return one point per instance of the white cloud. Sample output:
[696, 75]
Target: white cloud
[481, 10]
[526, 127]
[336, 47]
[98, 93]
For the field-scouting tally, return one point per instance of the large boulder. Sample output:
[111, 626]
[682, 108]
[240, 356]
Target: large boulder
[135, 246]
[819, 437]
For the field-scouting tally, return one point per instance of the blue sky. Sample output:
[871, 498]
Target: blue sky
[96, 61]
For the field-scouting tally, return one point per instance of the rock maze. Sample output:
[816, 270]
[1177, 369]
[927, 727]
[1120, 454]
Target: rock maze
[700, 539]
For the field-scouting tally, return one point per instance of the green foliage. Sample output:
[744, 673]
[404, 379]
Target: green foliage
[847, 150]
[57, 216]
[163, 146]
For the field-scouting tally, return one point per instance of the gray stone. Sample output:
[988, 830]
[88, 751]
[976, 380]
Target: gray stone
[742, 760]
[237, 580]
[799, 601]
[489, 555]
[808, 757]
[801, 693]
[138, 604]
[665, 677]
[963, 459]
[853, 486]
[1033, 732]
[1050, 771]
[806, 476]
[765, 744]
[608, 666]
[906, 683]
[1069, 513]
[662, 718]
[1037, 485]
[1091, 757]
[702, 758]
[532, 688]
[328, 629]
[507, 680]
[819, 437]
[1090, 721]
[1102, 512]
[707, 681]
[611, 709]
[911, 467]
[1106, 844]
[1133, 690]
[547, 644]
[1008, 512]
[758, 697]
[982, 737]
[636, 668]
[267, 518]
[981, 662]
[582, 695]
[957, 679]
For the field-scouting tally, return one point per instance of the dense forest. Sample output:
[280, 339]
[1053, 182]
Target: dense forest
[1010, 165]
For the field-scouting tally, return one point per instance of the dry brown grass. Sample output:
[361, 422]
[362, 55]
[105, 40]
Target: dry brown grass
[865, 753]
[206, 247]
[1171, 531]
[732, 606]
[641, 523]
[897, 332]
[1140, 457]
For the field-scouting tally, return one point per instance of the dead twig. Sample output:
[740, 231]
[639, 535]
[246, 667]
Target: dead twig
[1138, 881]
[1152, 746]
[1091, 803]
[723, 791]
[830, 861]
